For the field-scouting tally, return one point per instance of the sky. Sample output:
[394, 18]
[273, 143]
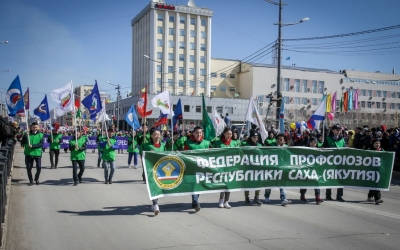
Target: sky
[53, 42]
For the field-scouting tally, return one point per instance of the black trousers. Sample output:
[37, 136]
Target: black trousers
[339, 192]
[75, 164]
[56, 153]
[29, 165]
[374, 193]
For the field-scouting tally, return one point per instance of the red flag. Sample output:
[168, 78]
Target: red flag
[142, 105]
[77, 102]
[345, 101]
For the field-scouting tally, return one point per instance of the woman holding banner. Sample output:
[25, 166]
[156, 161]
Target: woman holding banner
[225, 141]
[77, 146]
[154, 144]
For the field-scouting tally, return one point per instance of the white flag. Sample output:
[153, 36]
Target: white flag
[64, 97]
[163, 102]
[253, 116]
[218, 122]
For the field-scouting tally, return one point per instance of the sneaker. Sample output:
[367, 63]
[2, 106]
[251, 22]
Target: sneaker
[267, 200]
[285, 202]
[221, 203]
[318, 200]
[197, 208]
[303, 198]
[156, 210]
[257, 201]
[106, 182]
[37, 182]
[226, 205]
[110, 181]
[135, 167]
[378, 201]
[30, 184]
[247, 202]
[370, 199]
[129, 166]
[340, 199]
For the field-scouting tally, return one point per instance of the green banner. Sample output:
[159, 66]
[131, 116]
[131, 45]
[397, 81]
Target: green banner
[252, 168]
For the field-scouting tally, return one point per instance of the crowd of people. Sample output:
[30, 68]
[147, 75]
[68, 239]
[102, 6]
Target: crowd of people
[365, 138]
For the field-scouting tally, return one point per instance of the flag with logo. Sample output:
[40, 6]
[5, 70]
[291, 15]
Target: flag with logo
[21, 112]
[42, 111]
[178, 115]
[162, 119]
[142, 105]
[218, 122]
[163, 102]
[93, 102]
[254, 117]
[131, 118]
[14, 98]
[318, 116]
[64, 97]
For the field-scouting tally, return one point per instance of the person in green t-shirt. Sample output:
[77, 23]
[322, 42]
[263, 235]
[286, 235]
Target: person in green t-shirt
[108, 146]
[33, 142]
[270, 139]
[100, 136]
[176, 141]
[133, 150]
[55, 140]
[77, 146]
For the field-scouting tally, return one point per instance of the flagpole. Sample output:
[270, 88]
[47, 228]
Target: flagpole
[27, 126]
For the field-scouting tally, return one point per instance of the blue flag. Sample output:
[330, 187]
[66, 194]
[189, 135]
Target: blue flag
[43, 110]
[177, 115]
[14, 98]
[131, 118]
[93, 102]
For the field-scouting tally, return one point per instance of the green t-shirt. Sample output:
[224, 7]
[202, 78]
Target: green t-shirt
[150, 147]
[221, 144]
[269, 141]
[55, 143]
[132, 145]
[192, 145]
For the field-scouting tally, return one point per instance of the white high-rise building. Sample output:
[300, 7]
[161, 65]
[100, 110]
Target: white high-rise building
[171, 48]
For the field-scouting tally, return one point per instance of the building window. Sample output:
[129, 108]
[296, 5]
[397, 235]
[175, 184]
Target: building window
[198, 109]
[171, 44]
[213, 88]
[213, 74]
[232, 76]
[186, 108]
[158, 68]
[393, 94]
[172, 19]
[362, 104]
[321, 87]
[171, 56]
[181, 57]
[192, 58]
[304, 86]
[203, 34]
[209, 109]
[171, 69]
[286, 86]
[378, 105]
[378, 93]
[230, 110]
[191, 71]
[171, 31]
[159, 55]
[181, 83]
[297, 85]
[314, 101]
[160, 17]
[182, 19]
[202, 47]
[222, 88]
[170, 82]
[192, 33]
[193, 21]
[159, 81]
[314, 87]
[203, 22]
[181, 45]
[232, 89]
[192, 46]
[202, 84]
[304, 101]
[398, 105]
[202, 72]
[297, 100]
[182, 32]
[181, 70]
[369, 105]
[192, 84]
[392, 106]
[385, 94]
[202, 59]
[369, 92]
[384, 105]
[160, 43]
[160, 30]
[222, 75]
[363, 92]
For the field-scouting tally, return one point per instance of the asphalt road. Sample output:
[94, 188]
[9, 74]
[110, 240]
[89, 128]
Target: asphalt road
[57, 215]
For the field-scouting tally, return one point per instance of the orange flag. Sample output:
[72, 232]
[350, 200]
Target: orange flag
[345, 101]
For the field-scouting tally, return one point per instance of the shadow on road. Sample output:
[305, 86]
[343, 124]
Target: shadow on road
[68, 181]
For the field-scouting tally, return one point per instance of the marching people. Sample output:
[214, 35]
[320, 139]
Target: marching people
[225, 141]
[196, 142]
[77, 147]
[108, 145]
[133, 150]
[33, 141]
[252, 141]
[280, 142]
[176, 141]
[375, 195]
[143, 137]
[55, 140]
[100, 136]
[154, 144]
[334, 140]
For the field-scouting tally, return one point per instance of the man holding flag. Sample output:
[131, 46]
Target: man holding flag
[133, 147]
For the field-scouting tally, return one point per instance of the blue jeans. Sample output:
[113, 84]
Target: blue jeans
[281, 190]
[100, 154]
[134, 155]
[195, 200]
[107, 165]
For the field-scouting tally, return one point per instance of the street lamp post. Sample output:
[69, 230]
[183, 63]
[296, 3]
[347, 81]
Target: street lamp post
[280, 24]
[118, 97]
[162, 73]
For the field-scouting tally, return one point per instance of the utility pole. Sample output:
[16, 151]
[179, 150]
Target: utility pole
[118, 97]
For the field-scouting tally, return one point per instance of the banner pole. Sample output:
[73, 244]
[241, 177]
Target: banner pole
[27, 125]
